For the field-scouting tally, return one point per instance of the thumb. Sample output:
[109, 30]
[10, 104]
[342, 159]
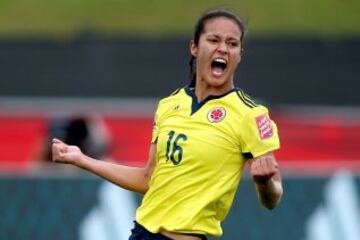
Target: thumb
[55, 140]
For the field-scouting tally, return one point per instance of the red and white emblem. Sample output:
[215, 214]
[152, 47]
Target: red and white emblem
[264, 126]
[216, 115]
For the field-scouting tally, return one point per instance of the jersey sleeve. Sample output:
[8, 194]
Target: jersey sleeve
[259, 133]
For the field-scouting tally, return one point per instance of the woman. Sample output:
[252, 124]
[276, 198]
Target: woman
[203, 135]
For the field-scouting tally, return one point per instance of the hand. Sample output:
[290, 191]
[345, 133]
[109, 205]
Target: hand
[63, 153]
[263, 168]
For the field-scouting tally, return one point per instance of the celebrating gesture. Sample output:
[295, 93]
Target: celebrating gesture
[204, 134]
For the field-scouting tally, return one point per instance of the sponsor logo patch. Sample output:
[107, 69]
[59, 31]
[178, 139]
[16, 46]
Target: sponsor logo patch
[264, 126]
[216, 115]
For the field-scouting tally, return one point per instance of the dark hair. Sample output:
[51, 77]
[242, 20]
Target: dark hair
[199, 28]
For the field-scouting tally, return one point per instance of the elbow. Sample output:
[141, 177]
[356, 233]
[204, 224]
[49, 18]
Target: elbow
[272, 202]
[270, 206]
[143, 190]
[145, 184]
[142, 187]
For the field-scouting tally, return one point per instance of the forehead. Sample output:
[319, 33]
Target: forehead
[222, 26]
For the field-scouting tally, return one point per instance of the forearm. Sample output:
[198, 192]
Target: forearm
[132, 178]
[270, 193]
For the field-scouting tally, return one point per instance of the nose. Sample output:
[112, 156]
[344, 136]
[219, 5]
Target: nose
[222, 47]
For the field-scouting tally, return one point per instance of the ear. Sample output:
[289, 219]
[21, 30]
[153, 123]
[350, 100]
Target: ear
[193, 48]
[240, 55]
[242, 51]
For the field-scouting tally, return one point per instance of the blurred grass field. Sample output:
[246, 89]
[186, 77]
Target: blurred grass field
[162, 18]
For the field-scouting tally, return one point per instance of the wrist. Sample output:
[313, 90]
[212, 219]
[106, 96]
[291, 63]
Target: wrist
[81, 161]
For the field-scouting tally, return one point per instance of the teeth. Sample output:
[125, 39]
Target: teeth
[220, 60]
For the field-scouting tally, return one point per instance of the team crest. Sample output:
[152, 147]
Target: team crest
[216, 115]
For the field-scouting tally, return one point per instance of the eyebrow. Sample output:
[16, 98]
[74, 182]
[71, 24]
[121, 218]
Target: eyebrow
[216, 35]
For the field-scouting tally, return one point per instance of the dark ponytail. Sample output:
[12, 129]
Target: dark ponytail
[192, 72]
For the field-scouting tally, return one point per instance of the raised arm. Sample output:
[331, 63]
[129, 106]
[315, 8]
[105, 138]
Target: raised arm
[266, 176]
[132, 178]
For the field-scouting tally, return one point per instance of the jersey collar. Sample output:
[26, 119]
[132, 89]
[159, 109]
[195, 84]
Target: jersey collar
[195, 106]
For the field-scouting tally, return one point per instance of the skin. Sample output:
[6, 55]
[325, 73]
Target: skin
[220, 38]
[265, 173]
[132, 178]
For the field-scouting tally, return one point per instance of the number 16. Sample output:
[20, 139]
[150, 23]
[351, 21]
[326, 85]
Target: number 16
[175, 147]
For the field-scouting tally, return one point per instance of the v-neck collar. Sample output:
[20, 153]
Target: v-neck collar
[195, 106]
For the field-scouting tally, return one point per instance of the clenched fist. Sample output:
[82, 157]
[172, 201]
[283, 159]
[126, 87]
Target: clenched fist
[263, 168]
[63, 153]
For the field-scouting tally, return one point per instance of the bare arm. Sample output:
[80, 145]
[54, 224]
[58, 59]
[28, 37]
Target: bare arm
[266, 176]
[132, 178]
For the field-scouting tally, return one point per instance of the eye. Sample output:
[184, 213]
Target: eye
[213, 40]
[233, 44]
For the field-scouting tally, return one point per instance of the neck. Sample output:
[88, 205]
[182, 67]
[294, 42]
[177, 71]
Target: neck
[203, 90]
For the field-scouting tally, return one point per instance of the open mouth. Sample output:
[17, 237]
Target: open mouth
[218, 66]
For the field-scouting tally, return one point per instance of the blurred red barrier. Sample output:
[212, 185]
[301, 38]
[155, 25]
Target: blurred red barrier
[19, 139]
[304, 140]
[320, 138]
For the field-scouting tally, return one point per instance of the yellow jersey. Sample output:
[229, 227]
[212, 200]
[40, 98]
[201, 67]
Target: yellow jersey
[201, 152]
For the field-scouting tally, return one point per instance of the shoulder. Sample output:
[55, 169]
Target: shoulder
[245, 100]
[173, 95]
[247, 106]
[172, 98]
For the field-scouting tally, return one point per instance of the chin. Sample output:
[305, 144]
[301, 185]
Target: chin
[218, 82]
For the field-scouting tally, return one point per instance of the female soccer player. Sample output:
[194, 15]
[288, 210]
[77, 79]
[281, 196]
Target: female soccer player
[203, 136]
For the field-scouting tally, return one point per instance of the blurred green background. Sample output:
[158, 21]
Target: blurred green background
[63, 19]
